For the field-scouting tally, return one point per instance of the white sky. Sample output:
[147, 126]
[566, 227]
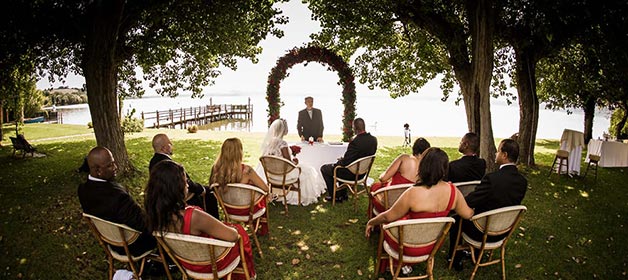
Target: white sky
[251, 77]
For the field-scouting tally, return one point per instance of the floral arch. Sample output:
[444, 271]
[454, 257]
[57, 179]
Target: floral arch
[323, 56]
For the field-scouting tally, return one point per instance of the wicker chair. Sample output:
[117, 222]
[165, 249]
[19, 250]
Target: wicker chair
[359, 167]
[277, 171]
[491, 223]
[243, 197]
[413, 233]
[467, 187]
[201, 251]
[386, 196]
[113, 234]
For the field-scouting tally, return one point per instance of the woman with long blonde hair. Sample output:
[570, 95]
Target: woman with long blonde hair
[229, 168]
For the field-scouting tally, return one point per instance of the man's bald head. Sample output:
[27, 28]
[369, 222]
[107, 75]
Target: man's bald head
[162, 144]
[101, 163]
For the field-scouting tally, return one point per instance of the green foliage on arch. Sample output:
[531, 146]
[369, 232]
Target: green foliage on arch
[326, 57]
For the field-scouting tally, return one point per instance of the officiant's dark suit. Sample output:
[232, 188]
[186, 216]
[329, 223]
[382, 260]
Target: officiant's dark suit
[163, 147]
[364, 144]
[502, 188]
[105, 199]
[310, 126]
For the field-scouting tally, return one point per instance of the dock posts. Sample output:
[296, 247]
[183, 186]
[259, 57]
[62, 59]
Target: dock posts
[157, 118]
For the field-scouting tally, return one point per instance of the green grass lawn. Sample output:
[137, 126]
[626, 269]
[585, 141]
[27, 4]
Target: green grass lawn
[574, 229]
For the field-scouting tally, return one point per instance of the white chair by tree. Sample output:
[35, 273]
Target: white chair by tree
[413, 233]
[360, 168]
[283, 174]
[202, 251]
[491, 223]
[239, 204]
[467, 187]
[112, 234]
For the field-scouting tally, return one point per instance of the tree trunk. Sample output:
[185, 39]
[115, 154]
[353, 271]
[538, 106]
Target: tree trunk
[589, 113]
[100, 67]
[528, 104]
[481, 18]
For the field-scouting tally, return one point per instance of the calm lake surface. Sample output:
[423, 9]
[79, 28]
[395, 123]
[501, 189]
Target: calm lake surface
[426, 114]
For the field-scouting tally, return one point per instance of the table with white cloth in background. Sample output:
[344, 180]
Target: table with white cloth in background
[612, 154]
[317, 154]
[572, 141]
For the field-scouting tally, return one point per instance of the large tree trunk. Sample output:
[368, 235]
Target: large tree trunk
[589, 113]
[528, 104]
[481, 19]
[100, 68]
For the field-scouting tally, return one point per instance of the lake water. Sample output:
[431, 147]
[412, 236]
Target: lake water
[426, 114]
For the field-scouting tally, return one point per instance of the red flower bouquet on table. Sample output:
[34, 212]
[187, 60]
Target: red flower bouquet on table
[295, 150]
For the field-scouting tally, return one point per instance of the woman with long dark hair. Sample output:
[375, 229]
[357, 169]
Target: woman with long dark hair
[166, 210]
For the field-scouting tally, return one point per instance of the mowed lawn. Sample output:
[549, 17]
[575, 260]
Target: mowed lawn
[574, 228]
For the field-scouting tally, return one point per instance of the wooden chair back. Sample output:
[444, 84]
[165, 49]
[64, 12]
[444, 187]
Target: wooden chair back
[467, 187]
[200, 251]
[415, 233]
[113, 234]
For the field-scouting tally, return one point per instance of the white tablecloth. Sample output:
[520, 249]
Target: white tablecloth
[317, 154]
[612, 154]
[572, 141]
[314, 155]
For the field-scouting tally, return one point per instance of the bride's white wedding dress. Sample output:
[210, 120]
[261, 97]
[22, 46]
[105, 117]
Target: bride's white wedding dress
[312, 185]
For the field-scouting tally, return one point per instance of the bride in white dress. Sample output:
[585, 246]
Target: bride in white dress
[312, 185]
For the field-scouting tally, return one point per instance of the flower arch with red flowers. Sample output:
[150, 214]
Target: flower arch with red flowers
[323, 56]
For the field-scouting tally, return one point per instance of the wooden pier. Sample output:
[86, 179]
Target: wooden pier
[197, 115]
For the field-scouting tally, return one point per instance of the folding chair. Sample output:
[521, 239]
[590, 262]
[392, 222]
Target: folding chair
[282, 173]
[112, 234]
[413, 233]
[198, 250]
[359, 167]
[491, 223]
[239, 205]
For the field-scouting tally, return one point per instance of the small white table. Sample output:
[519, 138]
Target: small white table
[572, 141]
[612, 154]
[318, 154]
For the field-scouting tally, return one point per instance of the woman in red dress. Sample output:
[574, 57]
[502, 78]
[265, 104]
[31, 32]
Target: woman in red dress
[229, 168]
[403, 170]
[166, 211]
[432, 198]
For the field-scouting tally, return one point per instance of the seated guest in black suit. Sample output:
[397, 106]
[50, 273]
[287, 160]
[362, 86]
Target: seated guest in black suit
[105, 199]
[469, 167]
[163, 150]
[502, 188]
[363, 144]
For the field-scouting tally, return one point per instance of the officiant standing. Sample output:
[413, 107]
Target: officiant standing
[310, 122]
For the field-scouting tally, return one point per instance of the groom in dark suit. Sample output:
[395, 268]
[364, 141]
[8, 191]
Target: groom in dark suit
[363, 144]
[105, 199]
[310, 122]
[163, 150]
[502, 188]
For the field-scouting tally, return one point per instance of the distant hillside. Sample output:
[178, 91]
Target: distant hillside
[65, 96]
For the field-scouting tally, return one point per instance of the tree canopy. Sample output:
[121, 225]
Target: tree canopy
[178, 45]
